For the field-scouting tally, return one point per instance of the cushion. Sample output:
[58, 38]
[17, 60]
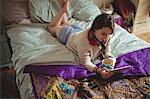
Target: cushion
[99, 3]
[85, 10]
[13, 11]
[43, 10]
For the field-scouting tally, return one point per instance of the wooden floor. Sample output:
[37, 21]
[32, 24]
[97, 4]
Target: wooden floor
[141, 27]
[142, 30]
[144, 36]
[8, 84]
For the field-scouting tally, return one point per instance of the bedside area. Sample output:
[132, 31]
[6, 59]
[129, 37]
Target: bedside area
[8, 85]
[141, 26]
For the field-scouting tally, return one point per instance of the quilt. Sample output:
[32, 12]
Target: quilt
[46, 87]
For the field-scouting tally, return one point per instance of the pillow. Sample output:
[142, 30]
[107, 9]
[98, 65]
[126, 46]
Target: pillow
[85, 10]
[100, 3]
[13, 11]
[43, 10]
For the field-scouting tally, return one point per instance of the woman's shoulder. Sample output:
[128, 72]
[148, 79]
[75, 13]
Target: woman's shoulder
[82, 36]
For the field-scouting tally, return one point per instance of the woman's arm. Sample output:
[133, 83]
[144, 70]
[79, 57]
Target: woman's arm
[93, 68]
[103, 72]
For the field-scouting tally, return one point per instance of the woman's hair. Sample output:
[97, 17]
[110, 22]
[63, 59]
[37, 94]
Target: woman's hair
[103, 20]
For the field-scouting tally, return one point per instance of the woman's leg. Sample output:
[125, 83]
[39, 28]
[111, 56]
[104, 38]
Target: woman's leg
[58, 22]
[65, 20]
[60, 16]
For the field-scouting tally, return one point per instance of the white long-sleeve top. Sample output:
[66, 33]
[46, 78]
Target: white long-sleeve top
[79, 43]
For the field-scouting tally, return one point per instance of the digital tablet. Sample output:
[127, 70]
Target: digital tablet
[120, 68]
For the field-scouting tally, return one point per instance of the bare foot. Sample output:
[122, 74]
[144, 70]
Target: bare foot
[66, 5]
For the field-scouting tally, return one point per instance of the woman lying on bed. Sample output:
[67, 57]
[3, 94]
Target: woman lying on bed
[86, 44]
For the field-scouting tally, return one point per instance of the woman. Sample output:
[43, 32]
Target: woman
[86, 44]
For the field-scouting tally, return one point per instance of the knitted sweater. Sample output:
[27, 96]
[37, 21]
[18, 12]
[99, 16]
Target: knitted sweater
[79, 43]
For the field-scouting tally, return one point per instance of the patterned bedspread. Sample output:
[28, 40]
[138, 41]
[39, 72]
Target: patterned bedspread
[94, 87]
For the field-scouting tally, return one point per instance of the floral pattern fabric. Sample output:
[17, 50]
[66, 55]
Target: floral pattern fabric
[46, 87]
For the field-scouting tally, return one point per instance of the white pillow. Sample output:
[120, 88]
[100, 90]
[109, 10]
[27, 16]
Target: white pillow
[85, 10]
[43, 10]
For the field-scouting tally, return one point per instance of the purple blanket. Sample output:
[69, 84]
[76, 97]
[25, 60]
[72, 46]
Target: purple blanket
[138, 60]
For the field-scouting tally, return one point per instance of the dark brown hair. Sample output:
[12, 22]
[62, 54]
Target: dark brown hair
[103, 20]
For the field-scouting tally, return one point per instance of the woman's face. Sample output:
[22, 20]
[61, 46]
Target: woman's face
[103, 34]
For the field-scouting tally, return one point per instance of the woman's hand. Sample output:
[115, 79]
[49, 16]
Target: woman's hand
[104, 73]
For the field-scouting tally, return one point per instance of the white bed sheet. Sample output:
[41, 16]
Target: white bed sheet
[33, 44]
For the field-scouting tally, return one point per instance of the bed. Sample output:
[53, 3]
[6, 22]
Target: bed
[47, 69]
